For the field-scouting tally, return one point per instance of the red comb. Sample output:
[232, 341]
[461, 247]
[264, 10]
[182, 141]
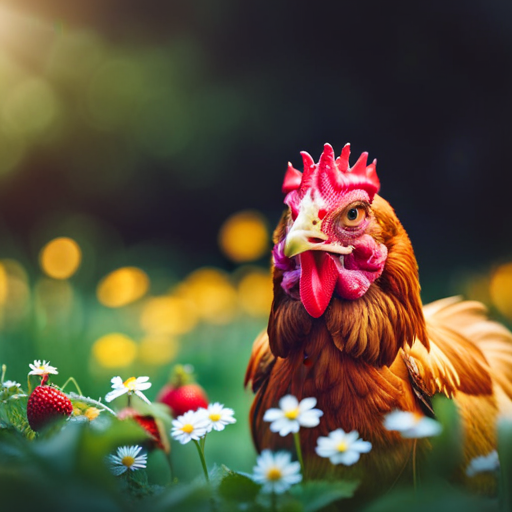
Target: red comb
[331, 177]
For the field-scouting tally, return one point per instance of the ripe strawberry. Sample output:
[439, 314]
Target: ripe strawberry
[189, 397]
[45, 405]
[182, 394]
[148, 423]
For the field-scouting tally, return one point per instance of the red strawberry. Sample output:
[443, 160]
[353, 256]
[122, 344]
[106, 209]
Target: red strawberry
[147, 422]
[189, 397]
[182, 394]
[47, 404]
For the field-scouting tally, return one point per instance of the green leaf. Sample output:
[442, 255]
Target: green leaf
[193, 497]
[505, 456]
[438, 497]
[239, 488]
[447, 449]
[13, 414]
[316, 494]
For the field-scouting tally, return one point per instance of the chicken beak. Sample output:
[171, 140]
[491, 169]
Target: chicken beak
[302, 238]
[306, 233]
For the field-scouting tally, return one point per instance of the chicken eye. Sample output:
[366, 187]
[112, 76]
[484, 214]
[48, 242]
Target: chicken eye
[354, 216]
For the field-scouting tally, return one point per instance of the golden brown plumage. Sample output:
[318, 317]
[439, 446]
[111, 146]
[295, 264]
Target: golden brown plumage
[362, 358]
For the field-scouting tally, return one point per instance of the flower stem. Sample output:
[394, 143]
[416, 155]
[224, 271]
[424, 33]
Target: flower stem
[4, 368]
[203, 461]
[171, 468]
[296, 438]
[72, 379]
[273, 501]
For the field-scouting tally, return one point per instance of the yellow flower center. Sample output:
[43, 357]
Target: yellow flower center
[92, 413]
[128, 461]
[342, 446]
[274, 474]
[215, 417]
[130, 384]
[188, 428]
[292, 414]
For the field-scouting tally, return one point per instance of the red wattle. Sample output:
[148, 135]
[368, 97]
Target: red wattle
[317, 281]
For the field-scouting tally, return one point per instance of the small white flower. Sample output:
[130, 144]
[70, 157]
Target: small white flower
[218, 416]
[276, 471]
[484, 463]
[342, 448]
[292, 415]
[10, 384]
[43, 368]
[127, 458]
[190, 426]
[131, 385]
[412, 425]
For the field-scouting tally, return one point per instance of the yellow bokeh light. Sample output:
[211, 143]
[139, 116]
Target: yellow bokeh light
[14, 291]
[114, 350]
[255, 293]
[244, 237]
[158, 349]
[4, 285]
[212, 293]
[501, 289]
[122, 286]
[168, 315]
[60, 258]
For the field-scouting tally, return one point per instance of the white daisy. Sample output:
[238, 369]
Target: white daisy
[218, 416]
[485, 463]
[190, 426]
[43, 368]
[127, 458]
[342, 448]
[11, 384]
[276, 471]
[131, 385]
[292, 415]
[412, 425]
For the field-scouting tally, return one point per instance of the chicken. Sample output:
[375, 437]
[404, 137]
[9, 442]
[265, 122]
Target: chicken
[347, 326]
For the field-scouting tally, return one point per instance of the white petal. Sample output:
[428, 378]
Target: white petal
[325, 441]
[280, 486]
[111, 395]
[291, 470]
[273, 414]
[348, 458]
[279, 424]
[116, 381]
[142, 396]
[306, 404]
[282, 459]
[293, 479]
[351, 436]
[288, 402]
[310, 418]
[399, 420]
[266, 458]
[361, 446]
[426, 427]
[325, 451]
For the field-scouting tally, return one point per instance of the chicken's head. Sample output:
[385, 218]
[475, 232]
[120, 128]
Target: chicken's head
[328, 246]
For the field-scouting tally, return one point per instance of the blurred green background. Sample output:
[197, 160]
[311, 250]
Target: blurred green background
[142, 150]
